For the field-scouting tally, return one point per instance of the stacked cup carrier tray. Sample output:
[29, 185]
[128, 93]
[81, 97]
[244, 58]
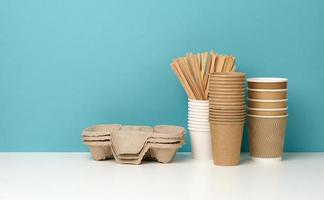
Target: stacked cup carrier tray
[132, 144]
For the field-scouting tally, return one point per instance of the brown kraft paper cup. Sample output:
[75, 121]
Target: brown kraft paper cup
[227, 97]
[226, 93]
[268, 112]
[226, 86]
[226, 107]
[228, 114]
[226, 143]
[267, 95]
[267, 105]
[266, 136]
[267, 83]
[226, 103]
[222, 119]
[227, 74]
[229, 111]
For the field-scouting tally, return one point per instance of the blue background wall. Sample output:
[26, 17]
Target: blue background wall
[68, 64]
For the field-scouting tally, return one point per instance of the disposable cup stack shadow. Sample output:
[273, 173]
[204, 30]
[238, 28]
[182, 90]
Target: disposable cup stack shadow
[226, 116]
[199, 129]
[267, 117]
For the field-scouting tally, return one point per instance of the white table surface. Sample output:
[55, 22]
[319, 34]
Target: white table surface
[75, 176]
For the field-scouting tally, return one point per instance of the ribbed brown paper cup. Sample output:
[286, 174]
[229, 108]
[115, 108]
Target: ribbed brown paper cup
[267, 83]
[266, 136]
[222, 119]
[227, 97]
[226, 93]
[267, 104]
[226, 107]
[267, 112]
[225, 82]
[227, 114]
[222, 101]
[227, 75]
[226, 103]
[267, 94]
[226, 143]
[226, 86]
[230, 111]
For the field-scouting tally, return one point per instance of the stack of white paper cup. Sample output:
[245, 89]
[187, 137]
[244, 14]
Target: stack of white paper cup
[199, 129]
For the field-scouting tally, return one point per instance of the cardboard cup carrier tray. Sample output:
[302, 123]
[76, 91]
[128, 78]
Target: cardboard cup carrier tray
[132, 144]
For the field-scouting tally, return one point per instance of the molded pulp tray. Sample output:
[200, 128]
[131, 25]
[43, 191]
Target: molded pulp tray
[132, 144]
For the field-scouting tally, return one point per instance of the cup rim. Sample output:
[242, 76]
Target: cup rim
[268, 109]
[197, 101]
[197, 109]
[228, 74]
[266, 80]
[222, 83]
[270, 116]
[198, 123]
[198, 132]
[198, 115]
[198, 129]
[267, 90]
[199, 126]
[268, 100]
[240, 103]
[227, 123]
[228, 96]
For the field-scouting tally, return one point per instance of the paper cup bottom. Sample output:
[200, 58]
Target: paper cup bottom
[267, 160]
[201, 145]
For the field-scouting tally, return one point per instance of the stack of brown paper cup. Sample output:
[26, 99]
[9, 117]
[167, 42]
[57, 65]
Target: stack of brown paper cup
[199, 129]
[226, 116]
[267, 117]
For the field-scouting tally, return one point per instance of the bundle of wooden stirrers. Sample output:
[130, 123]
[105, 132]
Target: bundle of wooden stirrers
[193, 71]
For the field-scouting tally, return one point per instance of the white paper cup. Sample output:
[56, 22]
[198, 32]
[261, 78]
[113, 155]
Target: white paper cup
[198, 114]
[198, 110]
[201, 145]
[202, 129]
[198, 122]
[198, 102]
[199, 126]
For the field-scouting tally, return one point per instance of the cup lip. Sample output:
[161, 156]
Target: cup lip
[268, 100]
[199, 126]
[198, 123]
[227, 96]
[227, 123]
[266, 80]
[198, 129]
[198, 115]
[226, 82]
[267, 90]
[197, 101]
[267, 109]
[198, 110]
[198, 107]
[228, 74]
[265, 116]
[239, 103]
[228, 119]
